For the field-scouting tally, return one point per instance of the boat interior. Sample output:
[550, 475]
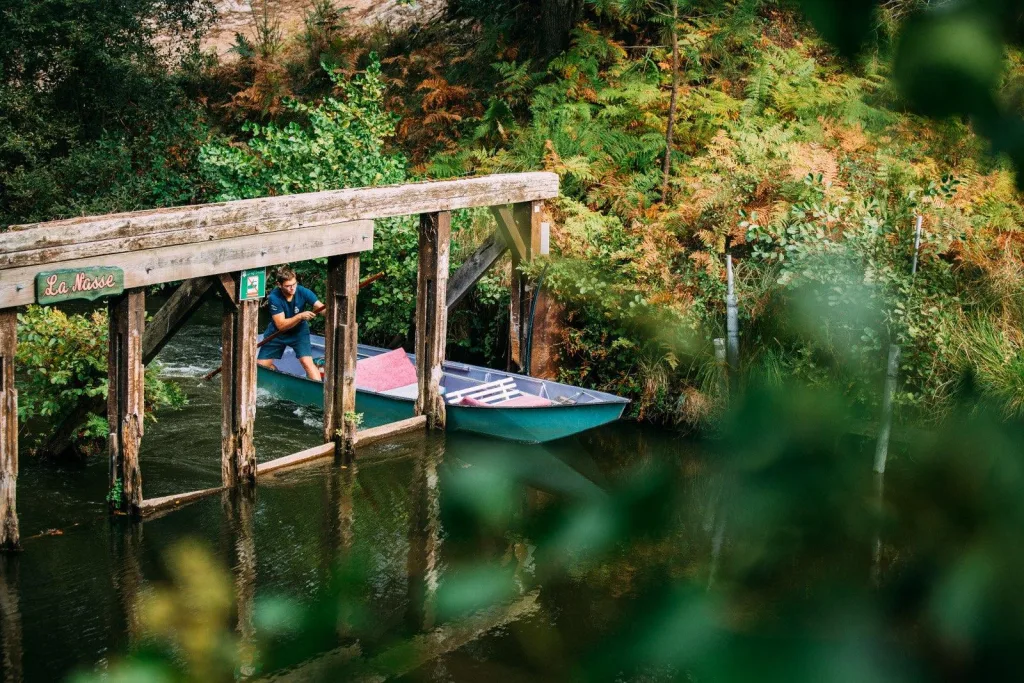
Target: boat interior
[469, 385]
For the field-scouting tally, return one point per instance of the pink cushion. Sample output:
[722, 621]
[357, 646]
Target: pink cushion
[385, 371]
[524, 401]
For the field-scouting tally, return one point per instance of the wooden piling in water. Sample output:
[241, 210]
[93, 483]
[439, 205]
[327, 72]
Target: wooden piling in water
[9, 535]
[125, 393]
[238, 385]
[432, 314]
[340, 352]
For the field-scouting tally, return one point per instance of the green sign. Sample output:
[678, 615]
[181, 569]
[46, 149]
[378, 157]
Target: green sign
[253, 284]
[78, 283]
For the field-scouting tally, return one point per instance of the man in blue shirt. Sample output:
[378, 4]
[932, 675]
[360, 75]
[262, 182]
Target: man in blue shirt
[287, 304]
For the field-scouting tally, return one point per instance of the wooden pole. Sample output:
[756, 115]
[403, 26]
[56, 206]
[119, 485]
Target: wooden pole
[9, 535]
[125, 393]
[340, 349]
[527, 219]
[432, 314]
[238, 386]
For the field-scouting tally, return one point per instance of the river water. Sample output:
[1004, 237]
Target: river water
[71, 601]
[627, 553]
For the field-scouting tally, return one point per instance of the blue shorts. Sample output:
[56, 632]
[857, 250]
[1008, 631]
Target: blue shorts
[274, 349]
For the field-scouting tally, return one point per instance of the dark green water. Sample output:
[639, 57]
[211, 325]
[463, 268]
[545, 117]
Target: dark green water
[69, 602]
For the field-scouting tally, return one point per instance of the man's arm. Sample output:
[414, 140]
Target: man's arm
[282, 323]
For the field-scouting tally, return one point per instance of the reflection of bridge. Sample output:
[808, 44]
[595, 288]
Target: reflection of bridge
[208, 247]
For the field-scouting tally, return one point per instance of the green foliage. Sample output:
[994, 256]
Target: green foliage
[801, 169]
[337, 143]
[91, 118]
[115, 493]
[62, 360]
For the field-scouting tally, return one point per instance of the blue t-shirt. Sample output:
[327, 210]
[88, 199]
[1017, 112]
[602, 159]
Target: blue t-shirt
[279, 304]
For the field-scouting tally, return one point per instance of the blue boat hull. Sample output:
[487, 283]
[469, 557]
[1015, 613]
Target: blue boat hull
[523, 424]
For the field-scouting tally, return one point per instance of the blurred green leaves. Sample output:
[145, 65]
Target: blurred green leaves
[950, 62]
[847, 24]
[949, 58]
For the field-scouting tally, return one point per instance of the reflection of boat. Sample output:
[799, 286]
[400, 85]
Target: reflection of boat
[480, 400]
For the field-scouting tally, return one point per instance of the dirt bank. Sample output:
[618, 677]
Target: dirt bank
[236, 16]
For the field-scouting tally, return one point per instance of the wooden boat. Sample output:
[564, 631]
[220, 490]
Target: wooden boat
[479, 400]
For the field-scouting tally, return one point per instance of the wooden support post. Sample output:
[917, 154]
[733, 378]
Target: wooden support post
[125, 391]
[527, 220]
[9, 536]
[340, 345]
[238, 386]
[432, 314]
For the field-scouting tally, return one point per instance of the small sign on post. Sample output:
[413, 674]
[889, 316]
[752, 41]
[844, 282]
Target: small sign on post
[253, 284]
[78, 283]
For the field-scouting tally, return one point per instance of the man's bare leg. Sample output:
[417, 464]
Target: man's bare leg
[267, 363]
[312, 371]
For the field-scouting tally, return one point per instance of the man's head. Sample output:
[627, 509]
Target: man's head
[286, 280]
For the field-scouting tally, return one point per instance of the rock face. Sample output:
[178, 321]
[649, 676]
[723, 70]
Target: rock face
[239, 16]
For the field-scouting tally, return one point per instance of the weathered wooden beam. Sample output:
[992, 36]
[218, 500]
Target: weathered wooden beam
[125, 392]
[340, 353]
[10, 538]
[473, 268]
[175, 312]
[238, 390]
[365, 437]
[145, 229]
[185, 261]
[300, 458]
[511, 231]
[432, 314]
[152, 505]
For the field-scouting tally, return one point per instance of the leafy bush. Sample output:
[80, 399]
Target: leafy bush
[337, 143]
[62, 360]
[94, 111]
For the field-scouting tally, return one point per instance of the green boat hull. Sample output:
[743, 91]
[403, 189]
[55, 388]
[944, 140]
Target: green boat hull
[527, 424]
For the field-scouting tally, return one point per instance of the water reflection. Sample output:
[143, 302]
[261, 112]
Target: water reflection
[10, 618]
[126, 554]
[424, 534]
[239, 507]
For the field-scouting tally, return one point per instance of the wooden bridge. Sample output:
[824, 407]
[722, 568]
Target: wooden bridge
[207, 247]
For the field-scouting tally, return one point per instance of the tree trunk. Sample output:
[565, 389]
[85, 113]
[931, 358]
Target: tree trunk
[666, 166]
[557, 20]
